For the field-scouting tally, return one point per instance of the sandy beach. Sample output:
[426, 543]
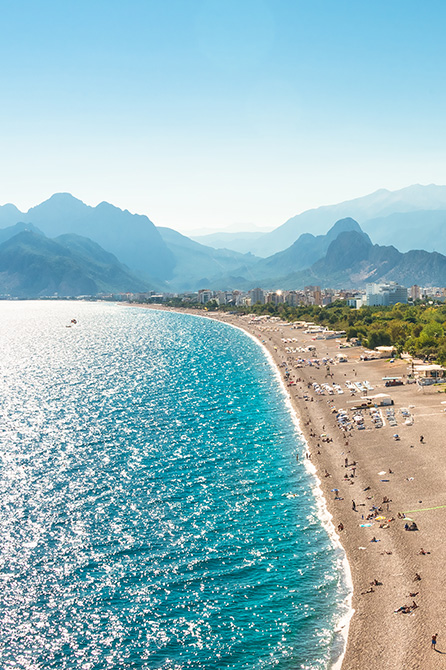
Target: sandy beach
[378, 480]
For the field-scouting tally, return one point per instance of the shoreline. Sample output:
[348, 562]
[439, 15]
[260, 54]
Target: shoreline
[407, 473]
[325, 517]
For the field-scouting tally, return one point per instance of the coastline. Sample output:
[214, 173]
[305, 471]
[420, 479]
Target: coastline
[378, 635]
[325, 517]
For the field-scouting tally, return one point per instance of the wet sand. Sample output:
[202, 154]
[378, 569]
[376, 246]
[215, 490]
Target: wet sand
[413, 480]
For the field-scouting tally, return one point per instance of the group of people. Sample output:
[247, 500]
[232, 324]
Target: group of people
[373, 513]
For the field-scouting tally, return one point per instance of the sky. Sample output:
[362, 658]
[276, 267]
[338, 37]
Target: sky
[205, 114]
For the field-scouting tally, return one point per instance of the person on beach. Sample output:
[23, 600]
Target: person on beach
[353, 506]
[434, 640]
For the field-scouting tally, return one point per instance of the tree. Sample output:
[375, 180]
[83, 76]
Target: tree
[378, 338]
[431, 334]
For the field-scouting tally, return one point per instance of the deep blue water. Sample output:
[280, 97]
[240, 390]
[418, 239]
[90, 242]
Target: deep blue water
[153, 514]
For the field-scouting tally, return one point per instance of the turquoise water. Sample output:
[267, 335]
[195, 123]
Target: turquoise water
[153, 514]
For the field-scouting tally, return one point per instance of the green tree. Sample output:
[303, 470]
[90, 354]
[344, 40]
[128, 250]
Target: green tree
[378, 338]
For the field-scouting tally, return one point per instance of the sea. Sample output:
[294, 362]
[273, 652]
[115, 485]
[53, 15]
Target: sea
[157, 510]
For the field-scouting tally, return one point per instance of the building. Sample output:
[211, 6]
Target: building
[415, 292]
[204, 295]
[313, 295]
[239, 299]
[257, 296]
[357, 301]
[293, 298]
[386, 352]
[429, 374]
[333, 334]
[379, 400]
[385, 294]
[222, 297]
[276, 298]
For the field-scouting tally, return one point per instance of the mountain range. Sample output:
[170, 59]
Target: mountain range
[410, 218]
[32, 265]
[345, 258]
[352, 260]
[65, 247]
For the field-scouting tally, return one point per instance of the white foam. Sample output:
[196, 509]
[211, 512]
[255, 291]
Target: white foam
[324, 515]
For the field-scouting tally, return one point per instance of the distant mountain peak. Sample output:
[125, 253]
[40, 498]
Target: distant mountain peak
[344, 225]
[9, 207]
[58, 204]
[348, 247]
[381, 203]
[107, 205]
[63, 198]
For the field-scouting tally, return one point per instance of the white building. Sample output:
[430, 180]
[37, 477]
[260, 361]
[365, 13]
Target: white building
[385, 294]
[204, 295]
[257, 295]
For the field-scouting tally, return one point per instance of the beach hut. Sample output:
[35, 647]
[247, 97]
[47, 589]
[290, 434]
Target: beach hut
[380, 399]
[429, 374]
[385, 352]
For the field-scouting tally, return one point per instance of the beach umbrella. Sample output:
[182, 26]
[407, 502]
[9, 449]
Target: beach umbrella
[334, 490]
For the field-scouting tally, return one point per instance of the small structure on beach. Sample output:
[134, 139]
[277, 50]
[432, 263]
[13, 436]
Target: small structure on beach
[333, 334]
[429, 374]
[380, 399]
[386, 352]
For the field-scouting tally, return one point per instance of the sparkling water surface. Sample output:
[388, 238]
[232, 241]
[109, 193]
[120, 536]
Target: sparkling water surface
[153, 514]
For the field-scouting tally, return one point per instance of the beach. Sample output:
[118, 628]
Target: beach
[371, 480]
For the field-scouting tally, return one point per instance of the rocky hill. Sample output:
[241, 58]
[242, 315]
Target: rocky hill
[31, 265]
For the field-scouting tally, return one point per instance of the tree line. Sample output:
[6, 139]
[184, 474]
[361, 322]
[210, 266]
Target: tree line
[419, 329]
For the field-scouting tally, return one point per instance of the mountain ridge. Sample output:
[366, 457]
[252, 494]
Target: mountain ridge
[133, 238]
[33, 265]
[380, 203]
[163, 257]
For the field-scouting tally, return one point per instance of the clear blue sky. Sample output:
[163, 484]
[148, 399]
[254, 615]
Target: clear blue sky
[207, 113]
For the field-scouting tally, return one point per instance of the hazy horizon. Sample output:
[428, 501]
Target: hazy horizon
[237, 227]
[207, 114]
